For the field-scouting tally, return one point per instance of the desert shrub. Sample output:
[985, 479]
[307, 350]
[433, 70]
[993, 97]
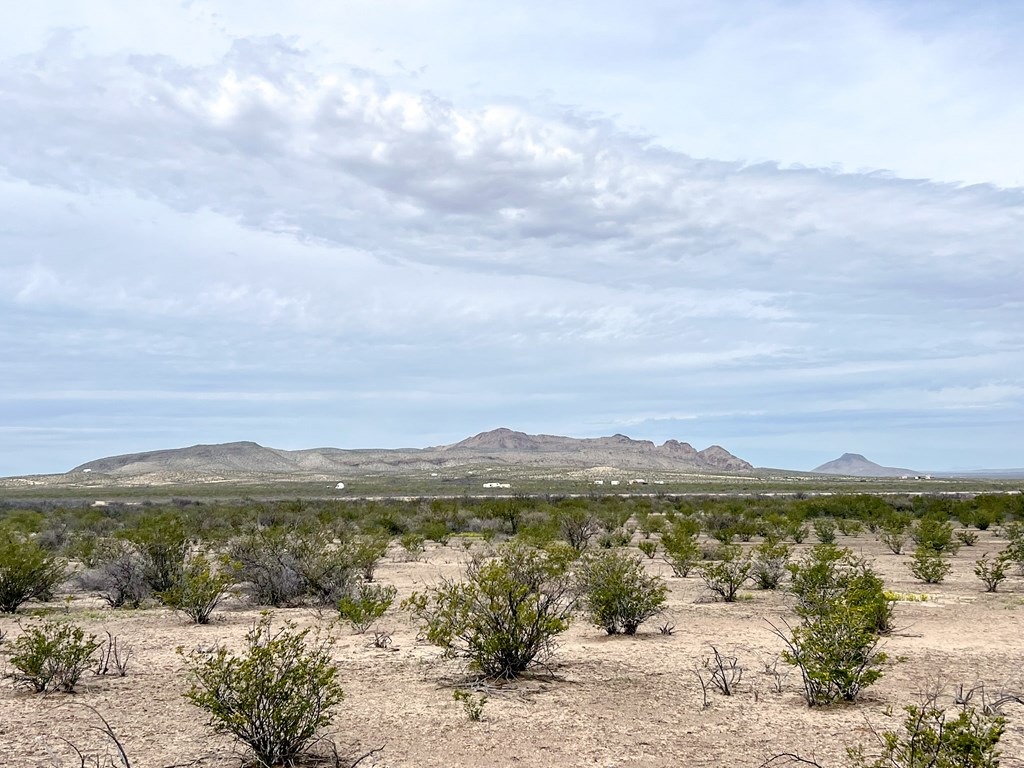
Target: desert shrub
[829, 575]
[929, 565]
[435, 530]
[119, 574]
[825, 529]
[837, 654]
[650, 524]
[935, 534]
[843, 608]
[894, 539]
[966, 537]
[725, 576]
[85, 547]
[931, 738]
[367, 603]
[681, 550]
[265, 563]
[797, 531]
[649, 548]
[618, 594]
[282, 568]
[413, 543]
[577, 526]
[53, 654]
[612, 539]
[991, 572]
[27, 571]
[163, 541]
[1014, 532]
[366, 552]
[719, 673]
[113, 656]
[274, 696]
[472, 705]
[682, 553]
[769, 564]
[324, 567]
[199, 589]
[505, 615]
[849, 527]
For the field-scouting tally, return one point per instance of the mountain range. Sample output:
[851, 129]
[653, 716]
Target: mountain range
[494, 448]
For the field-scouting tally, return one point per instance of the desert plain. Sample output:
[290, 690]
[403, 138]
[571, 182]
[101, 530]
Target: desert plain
[600, 701]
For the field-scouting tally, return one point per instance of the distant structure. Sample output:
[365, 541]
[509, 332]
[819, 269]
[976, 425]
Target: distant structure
[638, 481]
[497, 485]
[339, 487]
[599, 482]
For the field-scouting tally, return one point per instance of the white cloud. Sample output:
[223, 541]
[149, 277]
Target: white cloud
[193, 238]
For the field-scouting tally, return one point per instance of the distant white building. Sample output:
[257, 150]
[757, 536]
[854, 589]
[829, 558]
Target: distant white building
[497, 485]
[638, 481]
[599, 482]
[614, 482]
[339, 487]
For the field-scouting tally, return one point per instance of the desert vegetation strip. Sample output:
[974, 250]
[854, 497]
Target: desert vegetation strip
[709, 603]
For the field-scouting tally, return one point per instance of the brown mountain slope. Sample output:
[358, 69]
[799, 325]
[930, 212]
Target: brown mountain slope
[499, 446]
[855, 465]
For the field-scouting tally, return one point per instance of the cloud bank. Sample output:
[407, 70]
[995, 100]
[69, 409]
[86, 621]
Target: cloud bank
[267, 246]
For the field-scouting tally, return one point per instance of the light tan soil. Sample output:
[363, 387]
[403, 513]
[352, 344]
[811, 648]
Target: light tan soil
[605, 701]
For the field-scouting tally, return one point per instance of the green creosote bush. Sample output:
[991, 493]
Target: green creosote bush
[843, 608]
[53, 654]
[199, 589]
[505, 615]
[825, 529]
[830, 574]
[930, 738]
[472, 705]
[612, 539]
[649, 548]
[966, 537]
[163, 541]
[617, 593]
[929, 565]
[992, 572]
[849, 527]
[935, 534]
[366, 604]
[727, 575]
[769, 564]
[324, 567]
[413, 543]
[274, 696]
[27, 571]
[1014, 532]
[682, 553]
[366, 552]
[797, 531]
[895, 539]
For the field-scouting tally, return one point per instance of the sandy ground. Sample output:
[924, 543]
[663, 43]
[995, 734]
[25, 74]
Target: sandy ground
[606, 701]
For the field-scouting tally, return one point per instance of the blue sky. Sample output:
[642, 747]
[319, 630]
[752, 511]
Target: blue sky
[792, 229]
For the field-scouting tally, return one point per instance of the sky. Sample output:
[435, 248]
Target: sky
[793, 229]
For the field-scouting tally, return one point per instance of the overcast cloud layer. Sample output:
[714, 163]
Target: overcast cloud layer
[791, 229]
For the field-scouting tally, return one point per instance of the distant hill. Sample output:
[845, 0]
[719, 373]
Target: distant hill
[241, 460]
[855, 465]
